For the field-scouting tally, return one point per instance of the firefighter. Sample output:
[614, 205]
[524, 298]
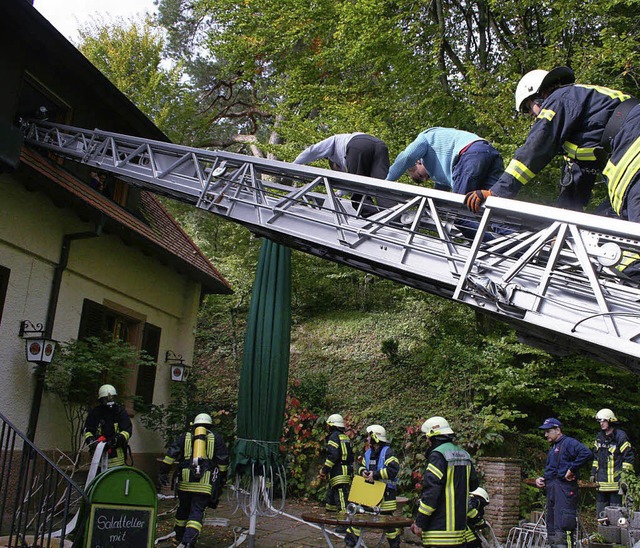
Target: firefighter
[478, 500]
[447, 480]
[379, 464]
[566, 455]
[109, 422]
[612, 453]
[596, 128]
[338, 464]
[203, 460]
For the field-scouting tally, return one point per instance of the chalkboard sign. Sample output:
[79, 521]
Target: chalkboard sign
[117, 526]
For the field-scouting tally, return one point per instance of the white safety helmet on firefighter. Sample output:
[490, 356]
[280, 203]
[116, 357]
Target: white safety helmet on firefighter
[335, 420]
[203, 418]
[606, 415]
[106, 390]
[480, 492]
[436, 426]
[377, 432]
[537, 80]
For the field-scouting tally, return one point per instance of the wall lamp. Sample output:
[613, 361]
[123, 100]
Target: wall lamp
[38, 348]
[179, 369]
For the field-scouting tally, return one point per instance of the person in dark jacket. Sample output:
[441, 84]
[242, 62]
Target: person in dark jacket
[573, 119]
[566, 455]
[203, 461]
[379, 464]
[596, 128]
[450, 475]
[478, 500]
[612, 453]
[338, 464]
[109, 422]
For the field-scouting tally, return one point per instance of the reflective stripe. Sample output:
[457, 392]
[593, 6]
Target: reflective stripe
[546, 114]
[168, 460]
[339, 480]
[434, 470]
[442, 538]
[627, 466]
[579, 153]
[612, 93]
[628, 258]
[180, 522]
[194, 525]
[619, 176]
[425, 509]
[450, 500]
[521, 172]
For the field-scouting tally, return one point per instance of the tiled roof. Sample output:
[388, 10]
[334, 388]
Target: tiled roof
[162, 233]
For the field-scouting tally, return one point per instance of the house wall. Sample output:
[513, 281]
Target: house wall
[101, 269]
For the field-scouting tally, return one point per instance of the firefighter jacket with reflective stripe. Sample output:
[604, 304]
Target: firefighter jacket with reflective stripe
[572, 123]
[566, 454]
[338, 464]
[113, 423]
[200, 476]
[385, 467]
[442, 513]
[611, 455]
[623, 168]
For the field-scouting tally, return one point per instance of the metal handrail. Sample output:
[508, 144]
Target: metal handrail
[37, 498]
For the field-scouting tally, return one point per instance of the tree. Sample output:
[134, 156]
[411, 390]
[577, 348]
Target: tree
[131, 54]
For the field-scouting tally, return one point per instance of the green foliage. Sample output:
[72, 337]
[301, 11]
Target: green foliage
[302, 446]
[130, 54]
[187, 400]
[80, 367]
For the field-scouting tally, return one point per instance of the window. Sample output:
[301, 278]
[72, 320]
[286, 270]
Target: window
[4, 284]
[98, 320]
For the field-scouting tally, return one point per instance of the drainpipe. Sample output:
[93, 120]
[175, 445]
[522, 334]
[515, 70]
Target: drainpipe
[65, 251]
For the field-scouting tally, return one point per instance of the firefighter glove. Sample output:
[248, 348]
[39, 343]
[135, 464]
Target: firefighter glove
[322, 475]
[473, 200]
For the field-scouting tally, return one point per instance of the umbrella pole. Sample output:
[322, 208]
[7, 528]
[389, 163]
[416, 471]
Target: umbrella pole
[253, 518]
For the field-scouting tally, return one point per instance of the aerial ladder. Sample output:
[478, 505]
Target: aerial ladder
[547, 272]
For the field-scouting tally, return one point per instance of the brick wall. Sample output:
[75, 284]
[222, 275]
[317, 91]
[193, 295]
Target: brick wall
[502, 479]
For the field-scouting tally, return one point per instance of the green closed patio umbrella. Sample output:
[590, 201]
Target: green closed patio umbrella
[263, 384]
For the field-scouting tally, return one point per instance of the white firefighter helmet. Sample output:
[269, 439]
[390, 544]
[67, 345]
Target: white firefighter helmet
[378, 433]
[537, 80]
[606, 415]
[203, 418]
[335, 420]
[480, 492]
[106, 390]
[436, 426]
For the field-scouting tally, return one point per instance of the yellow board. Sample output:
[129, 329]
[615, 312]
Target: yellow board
[366, 494]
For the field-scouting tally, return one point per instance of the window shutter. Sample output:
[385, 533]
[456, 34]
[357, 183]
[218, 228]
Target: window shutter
[92, 321]
[147, 373]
